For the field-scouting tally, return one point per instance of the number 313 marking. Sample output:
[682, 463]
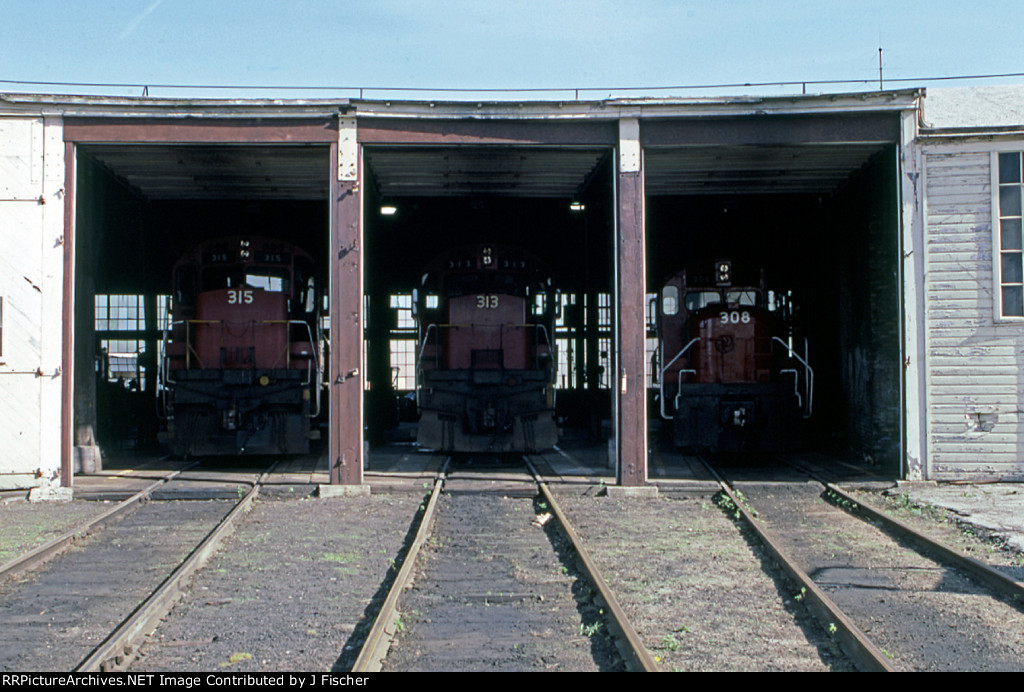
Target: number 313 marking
[487, 302]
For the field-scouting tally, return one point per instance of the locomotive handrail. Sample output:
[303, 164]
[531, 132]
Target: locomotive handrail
[808, 375]
[288, 357]
[796, 385]
[190, 349]
[423, 348]
[435, 327]
[661, 378]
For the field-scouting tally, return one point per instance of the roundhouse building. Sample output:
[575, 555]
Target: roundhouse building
[895, 216]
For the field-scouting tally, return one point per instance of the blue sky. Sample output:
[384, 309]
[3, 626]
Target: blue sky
[499, 44]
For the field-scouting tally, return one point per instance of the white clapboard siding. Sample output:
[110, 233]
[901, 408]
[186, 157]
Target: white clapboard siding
[31, 225]
[975, 366]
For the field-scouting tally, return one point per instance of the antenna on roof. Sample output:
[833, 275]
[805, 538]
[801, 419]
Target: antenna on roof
[881, 83]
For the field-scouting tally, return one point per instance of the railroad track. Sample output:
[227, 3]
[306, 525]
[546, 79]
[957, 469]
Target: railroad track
[496, 579]
[894, 599]
[40, 555]
[86, 610]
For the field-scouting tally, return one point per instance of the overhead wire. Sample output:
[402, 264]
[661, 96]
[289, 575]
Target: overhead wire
[500, 90]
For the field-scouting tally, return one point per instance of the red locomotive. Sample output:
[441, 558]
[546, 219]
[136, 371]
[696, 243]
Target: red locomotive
[242, 367]
[486, 366]
[730, 378]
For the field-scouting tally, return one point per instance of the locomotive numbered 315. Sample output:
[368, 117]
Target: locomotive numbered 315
[486, 360]
[242, 365]
[731, 377]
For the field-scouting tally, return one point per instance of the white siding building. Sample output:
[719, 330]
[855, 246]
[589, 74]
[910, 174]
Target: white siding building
[971, 144]
[31, 277]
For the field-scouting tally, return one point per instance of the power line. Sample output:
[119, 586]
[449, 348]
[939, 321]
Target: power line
[503, 90]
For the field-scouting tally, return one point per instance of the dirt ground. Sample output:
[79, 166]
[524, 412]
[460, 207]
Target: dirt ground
[293, 589]
[922, 613]
[697, 589]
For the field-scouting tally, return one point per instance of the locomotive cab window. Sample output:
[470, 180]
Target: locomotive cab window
[273, 280]
[695, 300]
[186, 279]
[749, 297]
[217, 277]
[670, 300]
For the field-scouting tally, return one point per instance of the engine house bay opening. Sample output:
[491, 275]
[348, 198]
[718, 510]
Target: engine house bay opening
[806, 229]
[488, 307]
[166, 232]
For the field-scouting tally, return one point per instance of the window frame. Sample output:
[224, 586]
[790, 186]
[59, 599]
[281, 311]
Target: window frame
[997, 229]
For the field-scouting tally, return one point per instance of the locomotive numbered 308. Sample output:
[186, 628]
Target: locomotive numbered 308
[731, 377]
[486, 360]
[242, 366]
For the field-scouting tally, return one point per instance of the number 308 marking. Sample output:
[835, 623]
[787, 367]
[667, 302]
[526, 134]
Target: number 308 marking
[734, 317]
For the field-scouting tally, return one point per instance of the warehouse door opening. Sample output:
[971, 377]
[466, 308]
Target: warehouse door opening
[783, 238]
[448, 227]
[200, 299]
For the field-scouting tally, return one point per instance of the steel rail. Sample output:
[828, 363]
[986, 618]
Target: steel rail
[120, 644]
[382, 633]
[865, 655]
[987, 574]
[628, 642]
[52, 547]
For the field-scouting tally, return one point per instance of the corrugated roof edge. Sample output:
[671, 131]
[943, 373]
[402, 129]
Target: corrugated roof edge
[974, 111]
[146, 106]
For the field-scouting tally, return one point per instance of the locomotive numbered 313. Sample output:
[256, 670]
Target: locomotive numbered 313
[242, 365]
[486, 360]
[730, 377]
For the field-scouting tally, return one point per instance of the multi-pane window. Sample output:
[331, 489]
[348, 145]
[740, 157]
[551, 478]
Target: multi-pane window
[119, 313]
[402, 345]
[651, 340]
[402, 304]
[122, 333]
[122, 361]
[565, 344]
[1011, 235]
[403, 364]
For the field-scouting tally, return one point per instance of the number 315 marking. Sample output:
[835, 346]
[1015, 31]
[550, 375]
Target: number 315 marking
[487, 302]
[239, 296]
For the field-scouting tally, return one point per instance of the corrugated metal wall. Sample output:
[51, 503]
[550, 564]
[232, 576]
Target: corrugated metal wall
[31, 255]
[974, 364]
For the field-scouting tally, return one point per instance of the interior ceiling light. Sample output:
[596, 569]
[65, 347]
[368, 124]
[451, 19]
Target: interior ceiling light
[388, 210]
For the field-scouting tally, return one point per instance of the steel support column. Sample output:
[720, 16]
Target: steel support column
[67, 409]
[346, 310]
[630, 387]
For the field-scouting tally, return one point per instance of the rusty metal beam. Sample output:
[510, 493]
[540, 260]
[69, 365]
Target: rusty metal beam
[346, 306]
[457, 132]
[776, 130]
[631, 327]
[195, 130]
[67, 384]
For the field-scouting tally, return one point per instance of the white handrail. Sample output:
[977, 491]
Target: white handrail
[661, 378]
[808, 375]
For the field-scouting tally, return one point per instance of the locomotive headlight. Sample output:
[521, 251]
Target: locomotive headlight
[723, 272]
[487, 256]
[264, 380]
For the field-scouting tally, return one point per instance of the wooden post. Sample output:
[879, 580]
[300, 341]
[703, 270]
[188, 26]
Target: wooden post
[631, 328]
[346, 309]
